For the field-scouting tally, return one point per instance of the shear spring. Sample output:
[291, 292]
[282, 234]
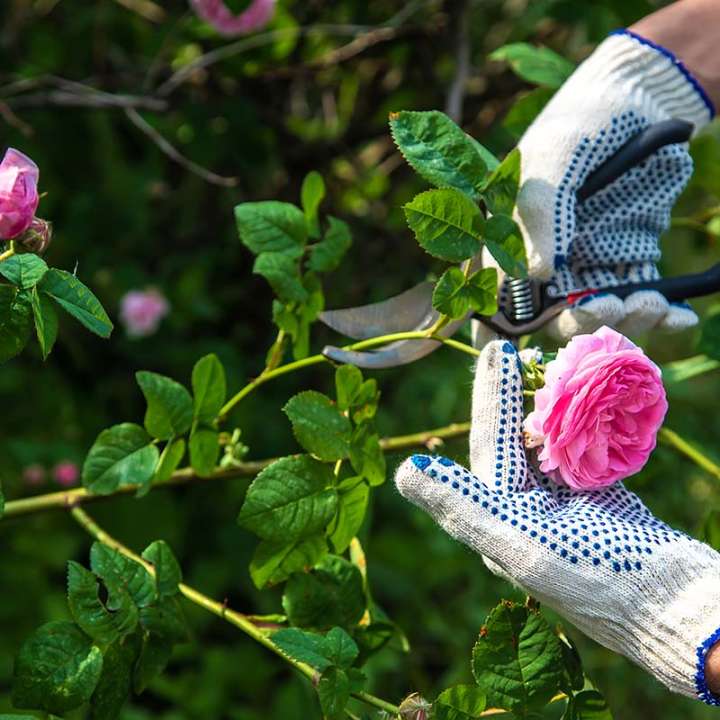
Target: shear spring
[521, 295]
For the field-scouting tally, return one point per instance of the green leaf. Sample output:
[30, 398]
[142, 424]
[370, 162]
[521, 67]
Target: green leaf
[15, 321]
[537, 65]
[204, 450]
[122, 575]
[340, 648]
[25, 270]
[311, 195]
[525, 109]
[502, 186]
[327, 254]
[439, 150]
[366, 455]
[572, 663]
[590, 705]
[334, 692]
[282, 271]
[504, 241]
[170, 459]
[165, 620]
[115, 682]
[461, 702]
[446, 223]
[168, 574]
[681, 370]
[169, 405]
[290, 499]
[517, 660]
[353, 496]
[365, 403]
[121, 455]
[275, 561]
[90, 613]
[155, 654]
[271, 226]
[46, 321]
[348, 381]
[76, 299]
[455, 295]
[56, 669]
[318, 425]
[331, 594]
[209, 388]
[336, 648]
[372, 638]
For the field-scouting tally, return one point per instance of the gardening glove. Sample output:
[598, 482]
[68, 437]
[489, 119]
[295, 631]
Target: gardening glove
[599, 558]
[627, 84]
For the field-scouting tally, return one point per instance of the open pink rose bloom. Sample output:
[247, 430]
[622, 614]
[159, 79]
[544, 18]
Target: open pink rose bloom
[216, 12]
[18, 193]
[598, 415]
[141, 311]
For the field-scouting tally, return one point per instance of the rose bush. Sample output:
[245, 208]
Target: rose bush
[599, 412]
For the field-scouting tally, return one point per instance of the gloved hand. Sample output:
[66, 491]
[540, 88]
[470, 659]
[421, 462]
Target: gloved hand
[600, 558]
[612, 238]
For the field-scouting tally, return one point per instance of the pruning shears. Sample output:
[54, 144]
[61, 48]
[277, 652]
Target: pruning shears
[532, 304]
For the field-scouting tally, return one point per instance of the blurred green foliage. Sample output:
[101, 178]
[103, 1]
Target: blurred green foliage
[303, 95]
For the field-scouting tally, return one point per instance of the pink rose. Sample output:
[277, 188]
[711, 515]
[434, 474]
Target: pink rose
[66, 473]
[18, 193]
[142, 310]
[227, 23]
[34, 474]
[599, 412]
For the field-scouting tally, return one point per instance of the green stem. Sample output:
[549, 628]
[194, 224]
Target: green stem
[8, 253]
[671, 438]
[221, 610]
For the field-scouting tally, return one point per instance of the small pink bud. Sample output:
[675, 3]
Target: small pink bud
[142, 310]
[37, 237]
[18, 193]
[34, 475]
[66, 473]
[217, 13]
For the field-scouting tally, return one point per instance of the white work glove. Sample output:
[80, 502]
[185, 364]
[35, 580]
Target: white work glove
[612, 238]
[599, 558]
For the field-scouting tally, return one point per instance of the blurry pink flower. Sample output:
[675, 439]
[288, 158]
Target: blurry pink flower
[18, 193]
[228, 23]
[34, 474]
[599, 412]
[66, 473]
[142, 310]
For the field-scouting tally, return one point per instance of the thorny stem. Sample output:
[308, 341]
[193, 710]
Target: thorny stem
[237, 619]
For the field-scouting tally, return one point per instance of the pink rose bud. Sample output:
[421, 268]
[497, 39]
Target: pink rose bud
[598, 415]
[18, 193]
[217, 13]
[34, 475]
[66, 473]
[142, 310]
[37, 237]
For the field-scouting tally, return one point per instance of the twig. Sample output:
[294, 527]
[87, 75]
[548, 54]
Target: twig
[456, 94]
[164, 145]
[99, 100]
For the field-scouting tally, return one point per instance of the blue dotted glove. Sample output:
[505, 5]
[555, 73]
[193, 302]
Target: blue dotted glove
[612, 238]
[599, 558]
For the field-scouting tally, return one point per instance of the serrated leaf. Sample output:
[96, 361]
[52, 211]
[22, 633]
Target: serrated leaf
[329, 252]
[482, 291]
[318, 425]
[502, 186]
[56, 669]
[438, 150]
[209, 388]
[340, 648]
[204, 450]
[334, 692]
[455, 295]
[168, 574]
[331, 594]
[446, 223]
[76, 299]
[46, 321]
[169, 405]
[503, 239]
[271, 226]
[90, 613]
[517, 660]
[170, 459]
[537, 65]
[274, 561]
[311, 195]
[353, 496]
[366, 455]
[24, 270]
[15, 321]
[290, 499]
[165, 620]
[121, 574]
[461, 702]
[304, 646]
[115, 684]
[348, 381]
[121, 455]
[282, 271]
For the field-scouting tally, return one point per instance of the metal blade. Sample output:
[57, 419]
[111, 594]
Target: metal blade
[410, 310]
